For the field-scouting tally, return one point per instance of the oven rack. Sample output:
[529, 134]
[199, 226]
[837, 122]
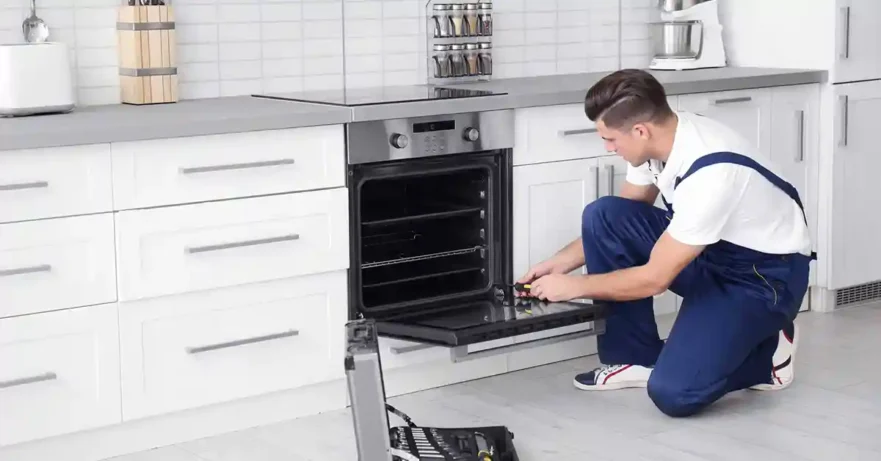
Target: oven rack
[443, 254]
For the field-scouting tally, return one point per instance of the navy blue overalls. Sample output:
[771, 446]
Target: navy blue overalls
[735, 302]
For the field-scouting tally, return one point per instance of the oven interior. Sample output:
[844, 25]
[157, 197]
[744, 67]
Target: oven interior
[426, 231]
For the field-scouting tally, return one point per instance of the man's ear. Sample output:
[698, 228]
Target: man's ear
[641, 130]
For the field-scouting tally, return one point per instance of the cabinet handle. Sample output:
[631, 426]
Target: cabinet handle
[565, 133]
[25, 270]
[24, 185]
[843, 101]
[241, 342]
[720, 102]
[28, 380]
[845, 40]
[596, 181]
[800, 120]
[246, 243]
[236, 166]
[610, 172]
[406, 349]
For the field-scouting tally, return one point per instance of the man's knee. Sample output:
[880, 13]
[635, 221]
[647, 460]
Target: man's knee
[596, 214]
[673, 398]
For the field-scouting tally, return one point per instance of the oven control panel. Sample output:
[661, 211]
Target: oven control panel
[463, 133]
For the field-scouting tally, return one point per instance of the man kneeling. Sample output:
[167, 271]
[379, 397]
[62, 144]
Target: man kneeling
[737, 251]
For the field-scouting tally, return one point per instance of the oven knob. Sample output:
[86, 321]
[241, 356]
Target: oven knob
[471, 134]
[400, 141]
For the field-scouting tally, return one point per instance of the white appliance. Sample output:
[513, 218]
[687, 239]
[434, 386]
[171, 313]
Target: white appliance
[689, 36]
[35, 78]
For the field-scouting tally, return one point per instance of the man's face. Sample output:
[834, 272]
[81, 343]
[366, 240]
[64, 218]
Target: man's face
[631, 144]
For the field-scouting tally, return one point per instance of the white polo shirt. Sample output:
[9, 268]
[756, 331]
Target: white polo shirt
[723, 201]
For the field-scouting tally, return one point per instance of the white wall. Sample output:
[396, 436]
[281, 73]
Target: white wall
[236, 47]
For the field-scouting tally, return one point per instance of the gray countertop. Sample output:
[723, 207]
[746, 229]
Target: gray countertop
[121, 122]
[115, 123]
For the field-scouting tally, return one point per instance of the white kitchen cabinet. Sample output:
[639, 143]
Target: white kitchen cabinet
[178, 249]
[59, 373]
[746, 111]
[840, 36]
[208, 347]
[795, 144]
[199, 168]
[54, 182]
[57, 263]
[855, 220]
[555, 133]
[549, 199]
[857, 40]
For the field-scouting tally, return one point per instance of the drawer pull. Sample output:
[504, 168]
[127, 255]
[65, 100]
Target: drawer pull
[845, 31]
[565, 133]
[241, 342]
[719, 102]
[610, 172]
[25, 270]
[24, 185]
[246, 243]
[406, 349]
[236, 166]
[800, 152]
[28, 380]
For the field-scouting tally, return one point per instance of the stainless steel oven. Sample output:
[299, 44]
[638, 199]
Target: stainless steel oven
[431, 233]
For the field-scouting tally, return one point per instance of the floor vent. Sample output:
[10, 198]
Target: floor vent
[858, 294]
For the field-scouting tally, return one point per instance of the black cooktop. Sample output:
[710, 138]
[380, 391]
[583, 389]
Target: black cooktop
[350, 97]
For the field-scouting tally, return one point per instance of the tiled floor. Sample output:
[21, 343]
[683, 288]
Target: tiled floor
[831, 412]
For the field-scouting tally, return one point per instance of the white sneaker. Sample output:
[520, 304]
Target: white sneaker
[610, 377]
[783, 372]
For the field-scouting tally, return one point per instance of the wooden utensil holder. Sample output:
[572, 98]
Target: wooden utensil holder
[147, 61]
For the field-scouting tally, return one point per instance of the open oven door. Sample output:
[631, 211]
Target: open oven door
[479, 329]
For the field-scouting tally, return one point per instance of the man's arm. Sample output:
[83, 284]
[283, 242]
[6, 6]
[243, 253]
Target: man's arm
[668, 258]
[646, 193]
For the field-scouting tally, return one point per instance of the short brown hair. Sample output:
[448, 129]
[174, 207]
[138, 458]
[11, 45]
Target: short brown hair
[627, 97]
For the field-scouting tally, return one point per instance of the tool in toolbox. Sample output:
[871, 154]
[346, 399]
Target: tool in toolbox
[376, 440]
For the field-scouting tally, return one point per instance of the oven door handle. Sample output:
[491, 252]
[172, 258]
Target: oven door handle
[460, 353]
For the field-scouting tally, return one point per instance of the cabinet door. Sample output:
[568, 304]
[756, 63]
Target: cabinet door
[746, 111]
[855, 248]
[795, 143]
[857, 40]
[548, 201]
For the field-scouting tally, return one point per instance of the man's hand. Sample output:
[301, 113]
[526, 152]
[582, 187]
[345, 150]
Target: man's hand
[539, 270]
[557, 287]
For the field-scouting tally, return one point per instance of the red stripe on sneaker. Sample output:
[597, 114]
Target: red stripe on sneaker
[787, 337]
[606, 379]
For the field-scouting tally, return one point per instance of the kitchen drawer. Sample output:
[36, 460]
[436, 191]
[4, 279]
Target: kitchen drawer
[554, 133]
[202, 168]
[59, 373]
[53, 182]
[201, 348]
[171, 250]
[56, 264]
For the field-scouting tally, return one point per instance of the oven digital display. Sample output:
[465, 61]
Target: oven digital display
[427, 127]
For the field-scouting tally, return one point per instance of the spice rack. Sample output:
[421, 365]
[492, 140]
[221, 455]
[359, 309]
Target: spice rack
[147, 54]
[459, 41]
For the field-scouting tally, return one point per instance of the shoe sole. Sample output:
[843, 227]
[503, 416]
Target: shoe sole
[610, 387]
[780, 387]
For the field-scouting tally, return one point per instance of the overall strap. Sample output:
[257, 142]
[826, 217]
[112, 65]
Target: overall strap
[742, 160]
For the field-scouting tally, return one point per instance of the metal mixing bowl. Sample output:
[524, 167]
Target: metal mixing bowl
[677, 39]
[669, 6]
